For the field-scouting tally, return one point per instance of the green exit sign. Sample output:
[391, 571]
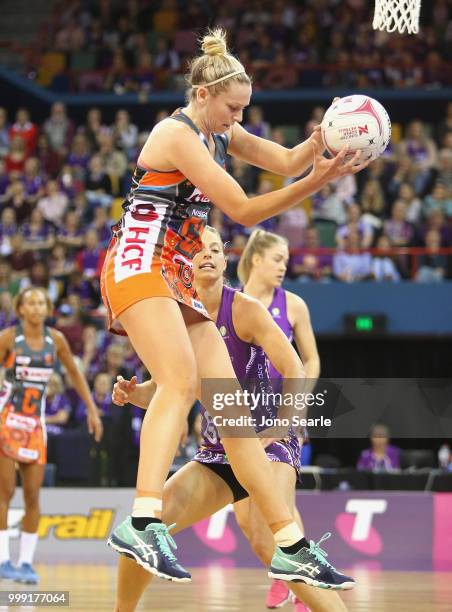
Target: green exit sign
[365, 323]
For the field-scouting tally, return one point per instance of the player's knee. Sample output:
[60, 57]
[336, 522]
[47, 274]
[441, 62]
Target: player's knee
[184, 388]
[6, 493]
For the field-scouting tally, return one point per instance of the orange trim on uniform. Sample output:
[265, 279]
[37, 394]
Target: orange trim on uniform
[9, 361]
[163, 179]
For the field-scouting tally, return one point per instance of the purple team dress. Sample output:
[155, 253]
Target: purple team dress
[251, 368]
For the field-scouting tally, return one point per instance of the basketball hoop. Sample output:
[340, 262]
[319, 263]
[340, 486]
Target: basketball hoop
[400, 15]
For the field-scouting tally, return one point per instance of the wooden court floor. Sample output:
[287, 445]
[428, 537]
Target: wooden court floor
[216, 589]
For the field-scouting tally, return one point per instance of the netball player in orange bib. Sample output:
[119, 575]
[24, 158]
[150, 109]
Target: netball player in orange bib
[29, 352]
[207, 483]
[148, 289]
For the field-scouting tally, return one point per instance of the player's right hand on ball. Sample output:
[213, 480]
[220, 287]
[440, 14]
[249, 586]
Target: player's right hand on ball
[122, 390]
[325, 170]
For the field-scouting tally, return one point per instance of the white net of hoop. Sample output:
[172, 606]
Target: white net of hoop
[397, 15]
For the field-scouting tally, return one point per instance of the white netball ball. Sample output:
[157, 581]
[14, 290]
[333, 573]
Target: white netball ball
[359, 122]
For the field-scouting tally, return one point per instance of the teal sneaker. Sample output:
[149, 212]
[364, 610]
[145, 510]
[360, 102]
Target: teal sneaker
[309, 565]
[151, 548]
[8, 571]
[26, 574]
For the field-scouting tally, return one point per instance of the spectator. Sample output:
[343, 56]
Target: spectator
[292, 225]
[4, 133]
[102, 226]
[351, 265]
[79, 156]
[355, 223]
[93, 127]
[98, 184]
[59, 129]
[114, 161]
[372, 202]
[38, 234]
[25, 130]
[54, 204]
[165, 57]
[7, 313]
[433, 266]
[70, 324]
[436, 221]
[438, 199]
[311, 265]
[8, 284]
[33, 180]
[91, 258]
[20, 259]
[16, 198]
[8, 227]
[397, 228]
[255, 123]
[4, 179]
[381, 457]
[383, 266]
[327, 206]
[83, 289]
[58, 407]
[125, 134]
[39, 276]
[413, 203]
[16, 156]
[279, 75]
[71, 233]
[61, 265]
[49, 160]
[421, 150]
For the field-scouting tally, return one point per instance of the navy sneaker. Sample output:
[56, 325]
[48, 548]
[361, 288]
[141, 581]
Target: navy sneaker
[309, 565]
[150, 548]
[26, 574]
[8, 571]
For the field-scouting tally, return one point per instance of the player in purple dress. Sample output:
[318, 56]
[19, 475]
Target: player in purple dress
[261, 270]
[207, 484]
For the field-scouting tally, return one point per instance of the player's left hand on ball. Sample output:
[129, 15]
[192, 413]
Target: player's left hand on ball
[95, 426]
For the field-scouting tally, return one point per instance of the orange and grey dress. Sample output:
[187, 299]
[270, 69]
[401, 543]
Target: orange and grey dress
[22, 399]
[153, 245]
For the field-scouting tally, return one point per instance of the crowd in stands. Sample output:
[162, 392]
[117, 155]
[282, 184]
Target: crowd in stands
[62, 186]
[142, 45]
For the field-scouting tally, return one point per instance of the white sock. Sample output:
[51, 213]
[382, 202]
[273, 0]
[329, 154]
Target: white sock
[4, 545]
[288, 535]
[146, 507]
[28, 543]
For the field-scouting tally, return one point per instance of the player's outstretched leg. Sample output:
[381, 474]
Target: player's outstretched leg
[151, 548]
[308, 565]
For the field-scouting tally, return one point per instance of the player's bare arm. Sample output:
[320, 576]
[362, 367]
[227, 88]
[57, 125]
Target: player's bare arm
[304, 336]
[270, 155]
[254, 324]
[182, 149]
[66, 357]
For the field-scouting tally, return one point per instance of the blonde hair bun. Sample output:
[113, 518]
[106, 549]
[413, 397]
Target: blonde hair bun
[214, 43]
